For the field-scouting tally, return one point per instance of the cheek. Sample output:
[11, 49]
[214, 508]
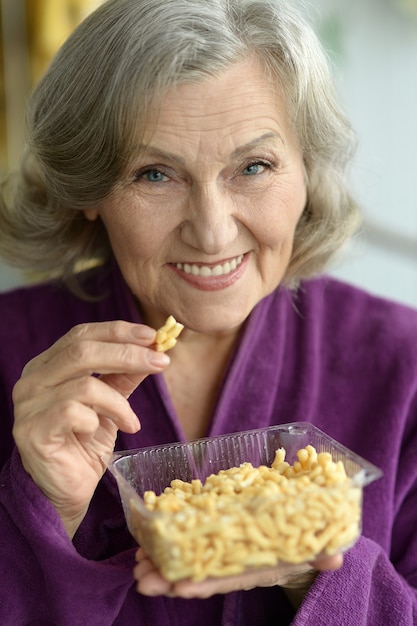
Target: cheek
[130, 234]
[279, 213]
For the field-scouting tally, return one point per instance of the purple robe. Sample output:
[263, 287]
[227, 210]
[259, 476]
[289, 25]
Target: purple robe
[331, 355]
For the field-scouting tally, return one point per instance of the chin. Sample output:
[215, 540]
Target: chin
[215, 319]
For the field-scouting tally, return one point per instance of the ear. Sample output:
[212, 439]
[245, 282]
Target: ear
[91, 214]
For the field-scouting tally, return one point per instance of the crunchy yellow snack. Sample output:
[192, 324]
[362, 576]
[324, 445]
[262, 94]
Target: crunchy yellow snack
[246, 517]
[166, 336]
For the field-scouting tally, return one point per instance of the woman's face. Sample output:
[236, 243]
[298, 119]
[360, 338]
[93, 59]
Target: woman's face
[203, 224]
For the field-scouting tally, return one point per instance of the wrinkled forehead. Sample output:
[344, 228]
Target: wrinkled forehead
[240, 102]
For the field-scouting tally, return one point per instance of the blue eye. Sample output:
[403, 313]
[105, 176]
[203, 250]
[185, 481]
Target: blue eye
[154, 176]
[150, 175]
[254, 168]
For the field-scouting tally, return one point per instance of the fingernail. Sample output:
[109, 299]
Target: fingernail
[140, 331]
[158, 359]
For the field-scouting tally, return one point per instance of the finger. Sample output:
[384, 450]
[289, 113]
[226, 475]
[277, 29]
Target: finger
[140, 555]
[116, 332]
[98, 357]
[93, 357]
[268, 577]
[330, 563]
[143, 568]
[124, 384]
[78, 403]
[149, 580]
[213, 586]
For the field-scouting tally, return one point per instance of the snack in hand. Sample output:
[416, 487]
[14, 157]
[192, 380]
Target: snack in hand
[166, 336]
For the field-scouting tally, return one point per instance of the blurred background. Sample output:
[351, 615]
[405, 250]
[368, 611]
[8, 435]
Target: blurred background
[372, 45]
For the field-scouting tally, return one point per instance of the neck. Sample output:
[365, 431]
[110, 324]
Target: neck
[195, 376]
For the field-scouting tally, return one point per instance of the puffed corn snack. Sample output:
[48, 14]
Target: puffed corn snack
[246, 517]
[166, 336]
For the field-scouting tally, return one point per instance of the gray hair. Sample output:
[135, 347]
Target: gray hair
[89, 107]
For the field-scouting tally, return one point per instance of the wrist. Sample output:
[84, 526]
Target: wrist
[70, 520]
[71, 524]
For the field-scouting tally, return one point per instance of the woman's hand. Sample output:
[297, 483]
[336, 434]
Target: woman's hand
[69, 403]
[296, 579]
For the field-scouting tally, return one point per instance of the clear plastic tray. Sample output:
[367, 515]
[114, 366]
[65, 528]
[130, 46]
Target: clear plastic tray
[153, 469]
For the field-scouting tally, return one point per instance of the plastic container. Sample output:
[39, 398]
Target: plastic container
[153, 469]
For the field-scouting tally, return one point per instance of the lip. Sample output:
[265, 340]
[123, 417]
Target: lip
[212, 282]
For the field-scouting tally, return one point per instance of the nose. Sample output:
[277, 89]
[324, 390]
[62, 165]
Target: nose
[210, 224]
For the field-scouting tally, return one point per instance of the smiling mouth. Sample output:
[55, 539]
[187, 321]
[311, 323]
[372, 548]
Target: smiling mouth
[211, 270]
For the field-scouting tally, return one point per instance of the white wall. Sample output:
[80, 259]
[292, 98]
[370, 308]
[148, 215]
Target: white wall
[375, 56]
[374, 45]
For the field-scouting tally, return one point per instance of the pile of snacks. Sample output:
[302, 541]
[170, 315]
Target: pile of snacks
[246, 517]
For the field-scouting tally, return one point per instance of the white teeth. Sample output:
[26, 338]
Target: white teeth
[205, 270]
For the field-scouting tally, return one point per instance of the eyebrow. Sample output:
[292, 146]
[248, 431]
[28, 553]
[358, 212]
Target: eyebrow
[255, 142]
[145, 149]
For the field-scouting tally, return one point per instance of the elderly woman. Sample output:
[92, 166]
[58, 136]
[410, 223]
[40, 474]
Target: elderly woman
[188, 158]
